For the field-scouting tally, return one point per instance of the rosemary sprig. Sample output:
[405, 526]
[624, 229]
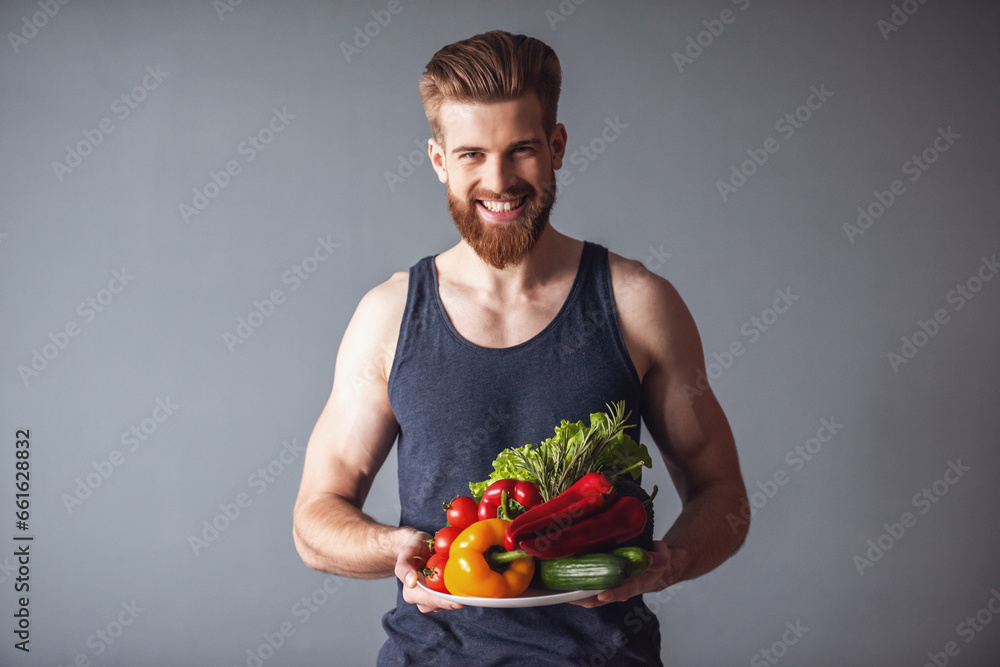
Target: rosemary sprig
[557, 464]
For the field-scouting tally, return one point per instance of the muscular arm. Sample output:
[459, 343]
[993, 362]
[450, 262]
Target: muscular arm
[689, 427]
[348, 445]
[697, 443]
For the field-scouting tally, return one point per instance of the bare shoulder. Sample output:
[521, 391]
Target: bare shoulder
[387, 298]
[654, 319]
[374, 329]
[641, 295]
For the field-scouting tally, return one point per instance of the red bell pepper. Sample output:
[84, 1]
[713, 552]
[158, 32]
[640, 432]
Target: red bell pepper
[587, 496]
[625, 519]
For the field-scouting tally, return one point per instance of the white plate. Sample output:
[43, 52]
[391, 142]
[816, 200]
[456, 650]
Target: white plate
[530, 598]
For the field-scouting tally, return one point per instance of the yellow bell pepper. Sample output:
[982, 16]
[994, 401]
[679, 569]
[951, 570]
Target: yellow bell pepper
[479, 567]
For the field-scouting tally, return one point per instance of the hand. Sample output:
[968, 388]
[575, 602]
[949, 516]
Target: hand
[664, 570]
[412, 557]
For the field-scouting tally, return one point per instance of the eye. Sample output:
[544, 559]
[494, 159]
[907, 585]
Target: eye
[470, 155]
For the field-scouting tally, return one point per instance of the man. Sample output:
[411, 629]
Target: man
[489, 345]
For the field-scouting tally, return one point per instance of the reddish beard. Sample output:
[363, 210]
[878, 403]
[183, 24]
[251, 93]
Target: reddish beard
[504, 245]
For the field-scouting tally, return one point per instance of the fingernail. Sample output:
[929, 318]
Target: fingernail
[411, 579]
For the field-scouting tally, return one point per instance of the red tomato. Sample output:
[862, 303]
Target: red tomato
[434, 573]
[527, 494]
[462, 512]
[444, 538]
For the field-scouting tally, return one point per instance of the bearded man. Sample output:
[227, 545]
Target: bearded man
[490, 344]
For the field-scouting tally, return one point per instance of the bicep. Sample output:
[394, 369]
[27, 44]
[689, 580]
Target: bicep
[681, 413]
[356, 430]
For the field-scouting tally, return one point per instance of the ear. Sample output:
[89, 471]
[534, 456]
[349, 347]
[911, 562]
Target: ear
[436, 153]
[557, 145]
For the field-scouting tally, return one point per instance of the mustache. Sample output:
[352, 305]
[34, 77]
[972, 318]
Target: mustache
[513, 193]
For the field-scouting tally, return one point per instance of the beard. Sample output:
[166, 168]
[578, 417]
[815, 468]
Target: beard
[503, 245]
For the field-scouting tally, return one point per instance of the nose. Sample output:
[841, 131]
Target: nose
[498, 174]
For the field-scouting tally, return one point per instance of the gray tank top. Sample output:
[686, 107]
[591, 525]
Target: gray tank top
[458, 405]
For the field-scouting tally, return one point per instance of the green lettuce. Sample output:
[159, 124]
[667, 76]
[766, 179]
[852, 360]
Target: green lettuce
[506, 466]
[574, 451]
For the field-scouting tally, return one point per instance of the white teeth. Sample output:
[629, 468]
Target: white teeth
[500, 207]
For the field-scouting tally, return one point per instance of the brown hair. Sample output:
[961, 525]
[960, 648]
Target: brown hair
[494, 66]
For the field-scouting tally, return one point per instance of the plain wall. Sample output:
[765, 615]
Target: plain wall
[347, 168]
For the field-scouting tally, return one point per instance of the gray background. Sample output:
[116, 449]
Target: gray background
[650, 193]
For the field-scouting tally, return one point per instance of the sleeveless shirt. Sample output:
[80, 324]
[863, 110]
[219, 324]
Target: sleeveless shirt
[458, 405]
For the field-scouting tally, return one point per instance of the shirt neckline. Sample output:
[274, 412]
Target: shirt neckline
[577, 283]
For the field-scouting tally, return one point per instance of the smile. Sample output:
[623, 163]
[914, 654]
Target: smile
[502, 205]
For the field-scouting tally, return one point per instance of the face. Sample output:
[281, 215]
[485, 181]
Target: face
[500, 171]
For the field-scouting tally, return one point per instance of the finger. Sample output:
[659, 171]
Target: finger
[407, 569]
[619, 594]
[427, 602]
[588, 602]
[442, 602]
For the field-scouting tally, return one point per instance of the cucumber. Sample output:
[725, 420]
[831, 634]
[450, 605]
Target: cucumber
[637, 558]
[594, 571]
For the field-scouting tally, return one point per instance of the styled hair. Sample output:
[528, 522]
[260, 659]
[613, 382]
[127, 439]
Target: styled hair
[494, 66]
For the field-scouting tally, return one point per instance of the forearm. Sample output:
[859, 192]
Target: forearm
[333, 535]
[707, 532]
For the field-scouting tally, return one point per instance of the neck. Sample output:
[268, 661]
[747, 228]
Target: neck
[552, 256]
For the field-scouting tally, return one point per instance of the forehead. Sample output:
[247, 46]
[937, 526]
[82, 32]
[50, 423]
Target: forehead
[495, 122]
